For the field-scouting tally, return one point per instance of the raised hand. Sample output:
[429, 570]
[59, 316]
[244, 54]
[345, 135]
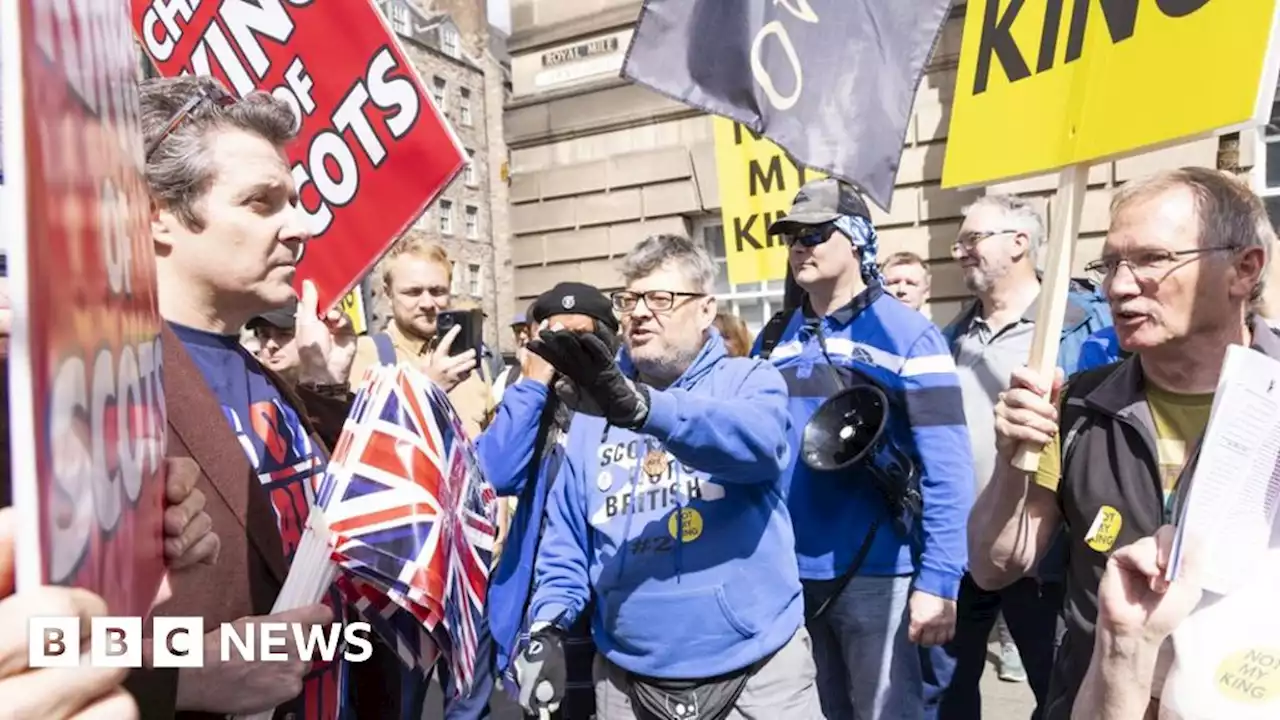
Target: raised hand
[326, 345]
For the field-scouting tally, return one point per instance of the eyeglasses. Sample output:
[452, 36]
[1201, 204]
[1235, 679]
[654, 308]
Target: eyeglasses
[813, 237]
[656, 300]
[970, 240]
[1146, 265]
[207, 93]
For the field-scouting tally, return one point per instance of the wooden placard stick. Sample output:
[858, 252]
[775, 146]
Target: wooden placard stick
[1067, 206]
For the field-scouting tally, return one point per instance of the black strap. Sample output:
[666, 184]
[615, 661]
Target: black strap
[772, 333]
[812, 613]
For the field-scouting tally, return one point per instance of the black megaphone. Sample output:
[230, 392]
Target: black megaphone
[846, 428]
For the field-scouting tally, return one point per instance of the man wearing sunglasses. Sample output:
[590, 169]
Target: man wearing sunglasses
[874, 586]
[1183, 264]
[670, 511]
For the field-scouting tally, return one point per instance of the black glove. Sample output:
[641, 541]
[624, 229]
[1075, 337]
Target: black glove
[586, 361]
[540, 672]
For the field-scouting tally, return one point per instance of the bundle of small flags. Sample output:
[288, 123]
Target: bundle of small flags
[411, 521]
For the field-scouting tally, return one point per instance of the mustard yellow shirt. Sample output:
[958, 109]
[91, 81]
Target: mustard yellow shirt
[1180, 420]
[472, 398]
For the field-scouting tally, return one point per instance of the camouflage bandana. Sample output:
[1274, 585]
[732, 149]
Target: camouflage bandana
[863, 235]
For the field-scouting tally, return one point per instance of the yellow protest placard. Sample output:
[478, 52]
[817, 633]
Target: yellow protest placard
[353, 305]
[1044, 84]
[758, 181]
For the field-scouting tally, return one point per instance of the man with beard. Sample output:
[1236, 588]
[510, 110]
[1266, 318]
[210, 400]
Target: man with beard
[669, 514]
[996, 248]
[418, 279]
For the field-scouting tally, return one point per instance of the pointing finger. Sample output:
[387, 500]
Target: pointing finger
[310, 300]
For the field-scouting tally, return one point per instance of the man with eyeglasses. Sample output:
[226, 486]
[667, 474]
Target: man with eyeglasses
[670, 511]
[996, 248]
[1183, 264]
[877, 584]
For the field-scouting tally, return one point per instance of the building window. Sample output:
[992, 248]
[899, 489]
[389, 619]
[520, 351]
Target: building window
[469, 172]
[750, 301]
[446, 217]
[438, 87]
[455, 284]
[1267, 175]
[449, 41]
[398, 14]
[473, 222]
[464, 106]
[476, 275]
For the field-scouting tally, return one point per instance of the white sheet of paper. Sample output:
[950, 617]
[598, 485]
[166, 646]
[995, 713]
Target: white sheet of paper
[310, 575]
[1235, 488]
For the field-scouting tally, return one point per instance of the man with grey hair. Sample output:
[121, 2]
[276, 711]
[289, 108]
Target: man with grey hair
[228, 234]
[1184, 260]
[670, 511]
[997, 246]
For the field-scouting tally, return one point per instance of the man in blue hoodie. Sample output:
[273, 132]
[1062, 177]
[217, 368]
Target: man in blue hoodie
[877, 577]
[669, 510]
[577, 307]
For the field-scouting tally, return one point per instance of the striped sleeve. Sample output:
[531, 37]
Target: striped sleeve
[931, 392]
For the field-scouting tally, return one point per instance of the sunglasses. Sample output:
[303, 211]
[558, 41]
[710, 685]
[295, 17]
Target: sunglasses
[207, 94]
[810, 237]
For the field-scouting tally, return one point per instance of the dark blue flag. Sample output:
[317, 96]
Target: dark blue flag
[829, 81]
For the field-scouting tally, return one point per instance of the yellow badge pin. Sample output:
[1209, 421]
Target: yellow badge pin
[690, 525]
[1105, 529]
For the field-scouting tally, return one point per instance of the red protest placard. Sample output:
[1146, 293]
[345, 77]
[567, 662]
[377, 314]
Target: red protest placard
[86, 414]
[373, 150]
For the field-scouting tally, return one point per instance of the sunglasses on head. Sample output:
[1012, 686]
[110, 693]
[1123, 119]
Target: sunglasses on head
[206, 94]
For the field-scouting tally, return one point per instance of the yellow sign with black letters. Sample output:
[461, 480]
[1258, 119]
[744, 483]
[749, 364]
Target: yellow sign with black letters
[352, 305]
[758, 181]
[1044, 84]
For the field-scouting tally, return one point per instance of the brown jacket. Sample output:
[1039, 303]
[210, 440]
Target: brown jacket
[251, 567]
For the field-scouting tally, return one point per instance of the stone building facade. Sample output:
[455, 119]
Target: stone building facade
[448, 42]
[598, 164]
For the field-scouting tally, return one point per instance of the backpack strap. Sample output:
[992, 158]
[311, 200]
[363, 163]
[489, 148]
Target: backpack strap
[386, 348]
[772, 333]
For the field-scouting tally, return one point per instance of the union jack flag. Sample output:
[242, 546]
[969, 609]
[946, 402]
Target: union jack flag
[411, 520]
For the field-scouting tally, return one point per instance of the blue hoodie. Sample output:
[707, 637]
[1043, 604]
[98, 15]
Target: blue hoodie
[693, 571]
[506, 450]
[906, 356]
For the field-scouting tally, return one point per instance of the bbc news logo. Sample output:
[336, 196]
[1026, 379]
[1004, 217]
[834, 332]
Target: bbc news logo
[178, 642]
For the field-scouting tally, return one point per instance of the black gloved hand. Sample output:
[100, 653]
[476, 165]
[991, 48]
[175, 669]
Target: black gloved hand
[540, 672]
[586, 361]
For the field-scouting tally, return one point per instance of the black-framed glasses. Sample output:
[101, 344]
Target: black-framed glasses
[656, 300]
[207, 93]
[1147, 264]
[970, 240]
[812, 237]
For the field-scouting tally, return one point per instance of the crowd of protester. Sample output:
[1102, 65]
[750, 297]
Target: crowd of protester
[670, 544]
